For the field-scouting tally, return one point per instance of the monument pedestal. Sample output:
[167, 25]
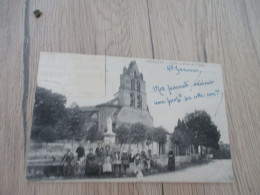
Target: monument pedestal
[109, 138]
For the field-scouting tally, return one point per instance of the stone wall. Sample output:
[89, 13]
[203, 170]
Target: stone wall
[133, 115]
[163, 159]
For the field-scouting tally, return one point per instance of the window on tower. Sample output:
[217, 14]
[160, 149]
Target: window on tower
[139, 101]
[138, 86]
[132, 100]
[133, 84]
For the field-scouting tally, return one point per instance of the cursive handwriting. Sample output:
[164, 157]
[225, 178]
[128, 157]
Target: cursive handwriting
[179, 98]
[178, 69]
[169, 88]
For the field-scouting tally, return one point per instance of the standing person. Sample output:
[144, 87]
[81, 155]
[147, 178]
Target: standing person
[97, 151]
[68, 163]
[150, 159]
[80, 164]
[80, 151]
[171, 161]
[139, 165]
[132, 157]
[125, 162]
[91, 164]
[100, 159]
[144, 160]
[137, 159]
[117, 164]
[107, 166]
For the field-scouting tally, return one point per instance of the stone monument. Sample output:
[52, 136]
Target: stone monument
[109, 136]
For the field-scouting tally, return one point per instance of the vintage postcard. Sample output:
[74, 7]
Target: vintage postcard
[103, 118]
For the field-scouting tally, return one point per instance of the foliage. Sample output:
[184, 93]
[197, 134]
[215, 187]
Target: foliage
[197, 128]
[93, 134]
[202, 130]
[52, 120]
[137, 133]
[178, 134]
[181, 137]
[149, 136]
[49, 108]
[222, 153]
[44, 133]
[122, 134]
[159, 135]
[73, 123]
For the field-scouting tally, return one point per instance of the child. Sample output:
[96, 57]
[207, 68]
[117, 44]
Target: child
[139, 175]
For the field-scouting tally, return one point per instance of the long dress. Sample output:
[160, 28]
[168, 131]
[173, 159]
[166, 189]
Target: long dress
[171, 161]
[117, 164]
[91, 165]
[107, 166]
[68, 164]
[125, 162]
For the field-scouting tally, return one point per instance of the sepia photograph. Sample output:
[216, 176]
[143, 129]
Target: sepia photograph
[113, 119]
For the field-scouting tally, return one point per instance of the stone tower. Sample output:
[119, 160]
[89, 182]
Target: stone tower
[132, 89]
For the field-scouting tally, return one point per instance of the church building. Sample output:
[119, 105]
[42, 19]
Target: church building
[129, 105]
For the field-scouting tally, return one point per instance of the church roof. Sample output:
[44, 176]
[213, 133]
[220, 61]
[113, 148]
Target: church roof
[116, 112]
[89, 108]
[113, 103]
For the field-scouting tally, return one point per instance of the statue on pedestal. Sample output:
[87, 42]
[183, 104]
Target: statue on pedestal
[109, 126]
[109, 136]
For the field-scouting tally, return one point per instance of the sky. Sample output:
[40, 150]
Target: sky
[173, 88]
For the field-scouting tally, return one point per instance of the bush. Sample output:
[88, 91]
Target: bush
[159, 168]
[222, 154]
[198, 160]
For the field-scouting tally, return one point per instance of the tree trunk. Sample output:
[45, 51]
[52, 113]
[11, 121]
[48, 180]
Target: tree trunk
[72, 144]
[152, 147]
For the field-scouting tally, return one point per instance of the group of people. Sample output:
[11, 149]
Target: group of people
[107, 162]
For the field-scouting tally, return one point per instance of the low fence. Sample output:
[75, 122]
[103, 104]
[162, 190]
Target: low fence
[163, 160]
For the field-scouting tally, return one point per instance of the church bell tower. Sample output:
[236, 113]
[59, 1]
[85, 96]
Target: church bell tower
[132, 89]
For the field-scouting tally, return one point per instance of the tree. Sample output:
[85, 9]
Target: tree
[149, 136]
[177, 136]
[213, 136]
[49, 109]
[49, 135]
[122, 135]
[73, 126]
[137, 133]
[202, 130]
[93, 134]
[181, 137]
[159, 135]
